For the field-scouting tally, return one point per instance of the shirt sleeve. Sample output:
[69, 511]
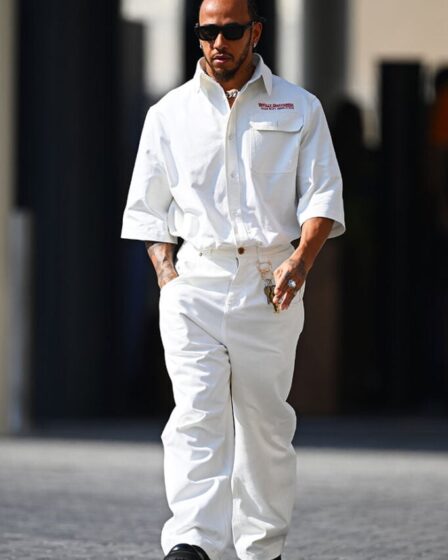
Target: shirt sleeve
[146, 213]
[319, 181]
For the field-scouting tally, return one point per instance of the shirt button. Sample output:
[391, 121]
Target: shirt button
[231, 136]
[241, 250]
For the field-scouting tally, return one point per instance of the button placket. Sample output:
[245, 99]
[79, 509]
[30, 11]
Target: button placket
[233, 178]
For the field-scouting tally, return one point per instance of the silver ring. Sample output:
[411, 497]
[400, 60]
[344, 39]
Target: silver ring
[292, 284]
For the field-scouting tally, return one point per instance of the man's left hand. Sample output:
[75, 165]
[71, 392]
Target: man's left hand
[291, 269]
[314, 233]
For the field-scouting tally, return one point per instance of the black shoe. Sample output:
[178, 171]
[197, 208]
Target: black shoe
[186, 552]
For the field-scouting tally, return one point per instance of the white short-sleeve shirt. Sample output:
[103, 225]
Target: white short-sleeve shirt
[220, 177]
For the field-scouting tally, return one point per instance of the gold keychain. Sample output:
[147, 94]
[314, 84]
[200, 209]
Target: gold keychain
[265, 269]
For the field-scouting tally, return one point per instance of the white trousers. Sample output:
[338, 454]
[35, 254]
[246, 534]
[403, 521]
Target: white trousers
[229, 465]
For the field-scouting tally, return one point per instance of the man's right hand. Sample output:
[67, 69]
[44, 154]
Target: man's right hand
[162, 258]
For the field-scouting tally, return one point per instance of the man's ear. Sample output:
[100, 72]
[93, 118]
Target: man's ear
[257, 31]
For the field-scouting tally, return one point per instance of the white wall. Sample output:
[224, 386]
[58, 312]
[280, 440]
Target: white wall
[290, 40]
[163, 52]
[393, 30]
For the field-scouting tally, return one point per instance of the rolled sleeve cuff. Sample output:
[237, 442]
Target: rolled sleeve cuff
[324, 212]
[148, 233]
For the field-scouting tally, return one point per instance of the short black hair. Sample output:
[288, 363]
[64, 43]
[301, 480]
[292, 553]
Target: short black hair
[252, 7]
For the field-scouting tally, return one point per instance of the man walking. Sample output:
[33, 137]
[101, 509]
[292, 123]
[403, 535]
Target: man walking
[238, 163]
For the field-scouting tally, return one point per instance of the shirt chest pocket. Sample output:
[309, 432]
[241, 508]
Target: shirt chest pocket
[274, 142]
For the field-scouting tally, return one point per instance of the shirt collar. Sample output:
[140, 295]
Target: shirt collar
[261, 71]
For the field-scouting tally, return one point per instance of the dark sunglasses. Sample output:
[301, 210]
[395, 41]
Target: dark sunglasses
[231, 31]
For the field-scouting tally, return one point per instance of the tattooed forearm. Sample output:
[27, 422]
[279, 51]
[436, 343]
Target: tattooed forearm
[162, 258]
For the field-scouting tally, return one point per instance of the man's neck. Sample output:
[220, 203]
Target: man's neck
[238, 81]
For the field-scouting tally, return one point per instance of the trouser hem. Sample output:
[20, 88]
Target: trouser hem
[269, 554]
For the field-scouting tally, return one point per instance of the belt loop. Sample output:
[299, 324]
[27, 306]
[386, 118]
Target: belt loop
[262, 255]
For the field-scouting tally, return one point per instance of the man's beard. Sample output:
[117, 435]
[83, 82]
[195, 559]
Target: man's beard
[227, 75]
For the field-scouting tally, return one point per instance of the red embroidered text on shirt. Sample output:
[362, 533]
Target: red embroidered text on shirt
[275, 106]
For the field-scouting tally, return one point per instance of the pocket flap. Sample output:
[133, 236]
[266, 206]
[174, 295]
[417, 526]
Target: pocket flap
[286, 122]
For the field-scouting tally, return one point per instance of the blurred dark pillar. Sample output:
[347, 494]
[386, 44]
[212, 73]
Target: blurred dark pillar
[401, 113]
[142, 387]
[325, 27]
[192, 52]
[68, 177]
[132, 100]
[131, 395]
[316, 386]
[268, 44]
[266, 48]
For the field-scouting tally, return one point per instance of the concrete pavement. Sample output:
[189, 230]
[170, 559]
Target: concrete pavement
[76, 493]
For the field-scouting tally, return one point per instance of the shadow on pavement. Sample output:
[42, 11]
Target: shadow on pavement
[375, 433]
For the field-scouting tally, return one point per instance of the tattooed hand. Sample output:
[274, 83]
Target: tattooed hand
[291, 269]
[314, 233]
[162, 258]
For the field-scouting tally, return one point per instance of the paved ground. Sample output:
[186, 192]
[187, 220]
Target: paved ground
[368, 490]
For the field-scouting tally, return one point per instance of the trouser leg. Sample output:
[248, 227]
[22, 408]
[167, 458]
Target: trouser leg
[227, 444]
[262, 348]
[198, 439]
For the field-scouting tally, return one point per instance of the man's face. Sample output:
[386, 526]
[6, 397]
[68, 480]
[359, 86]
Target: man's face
[226, 58]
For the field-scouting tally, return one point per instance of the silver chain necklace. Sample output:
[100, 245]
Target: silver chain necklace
[232, 93]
